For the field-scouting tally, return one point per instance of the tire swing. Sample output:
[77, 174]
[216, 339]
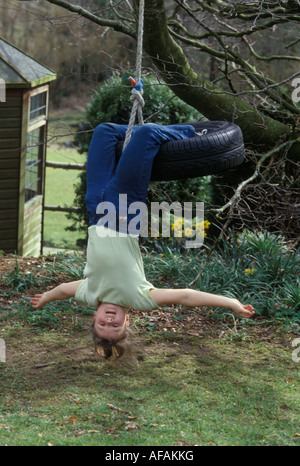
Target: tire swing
[217, 147]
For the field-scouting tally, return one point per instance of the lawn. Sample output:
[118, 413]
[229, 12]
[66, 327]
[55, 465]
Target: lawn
[59, 190]
[201, 380]
[59, 185]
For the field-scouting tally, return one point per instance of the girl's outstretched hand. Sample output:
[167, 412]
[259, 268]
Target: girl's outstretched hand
[38, 301]
[243, 310]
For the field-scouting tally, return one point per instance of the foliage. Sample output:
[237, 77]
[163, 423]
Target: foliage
[174, 232]
[261, 269]
[67, 267]
[111, 103]
[21, 281]
[257, 268]
[70, 265]
[187, 190]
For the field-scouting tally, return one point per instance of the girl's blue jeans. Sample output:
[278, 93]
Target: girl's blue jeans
[107, 179]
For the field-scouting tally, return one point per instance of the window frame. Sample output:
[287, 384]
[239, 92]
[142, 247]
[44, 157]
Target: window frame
[38, 123]
[41, 119]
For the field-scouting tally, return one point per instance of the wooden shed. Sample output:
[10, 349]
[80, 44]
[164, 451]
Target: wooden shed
[23, 130]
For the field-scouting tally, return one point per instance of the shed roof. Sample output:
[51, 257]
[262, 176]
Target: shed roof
[18, 69]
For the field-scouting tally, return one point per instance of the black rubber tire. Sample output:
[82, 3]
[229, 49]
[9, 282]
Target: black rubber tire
[217, 150]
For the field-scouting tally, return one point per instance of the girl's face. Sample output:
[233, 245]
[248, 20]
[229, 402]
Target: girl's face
[110, 321]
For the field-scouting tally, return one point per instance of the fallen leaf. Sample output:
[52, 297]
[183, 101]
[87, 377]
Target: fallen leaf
[72, 419]
[110, 430]
[118, 409]
[289, 380]
[131, 425]
[38, 366]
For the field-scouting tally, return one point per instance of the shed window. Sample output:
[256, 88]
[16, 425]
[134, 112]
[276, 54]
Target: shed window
[34, 157]
[38, 106]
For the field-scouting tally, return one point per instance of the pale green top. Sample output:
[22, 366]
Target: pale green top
[114, 271]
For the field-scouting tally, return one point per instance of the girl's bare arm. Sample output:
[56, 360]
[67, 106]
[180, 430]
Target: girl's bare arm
[194, 298]
[62, 291]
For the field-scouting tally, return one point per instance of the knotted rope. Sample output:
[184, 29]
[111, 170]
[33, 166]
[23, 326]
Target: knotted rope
[137, 91]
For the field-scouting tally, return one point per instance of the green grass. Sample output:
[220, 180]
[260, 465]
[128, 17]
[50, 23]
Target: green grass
[59, 190]
[59, 185]
[62, 125]
[212, 392]
[201, 379]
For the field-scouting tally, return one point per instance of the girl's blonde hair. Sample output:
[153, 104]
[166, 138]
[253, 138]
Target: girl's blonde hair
[114, 350]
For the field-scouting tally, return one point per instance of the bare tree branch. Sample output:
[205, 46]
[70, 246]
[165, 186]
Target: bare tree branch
[232, 202]
[116, 25]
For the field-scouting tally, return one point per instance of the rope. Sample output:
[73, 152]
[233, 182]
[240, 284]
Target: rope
[137, 91]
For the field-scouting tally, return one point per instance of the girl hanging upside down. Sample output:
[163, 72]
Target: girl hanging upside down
[114, 274]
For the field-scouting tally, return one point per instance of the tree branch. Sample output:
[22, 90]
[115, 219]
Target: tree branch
[177, 72]
[174, 67]
[232, 202]
[255, 77]
[264, 9]
[116, 25]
